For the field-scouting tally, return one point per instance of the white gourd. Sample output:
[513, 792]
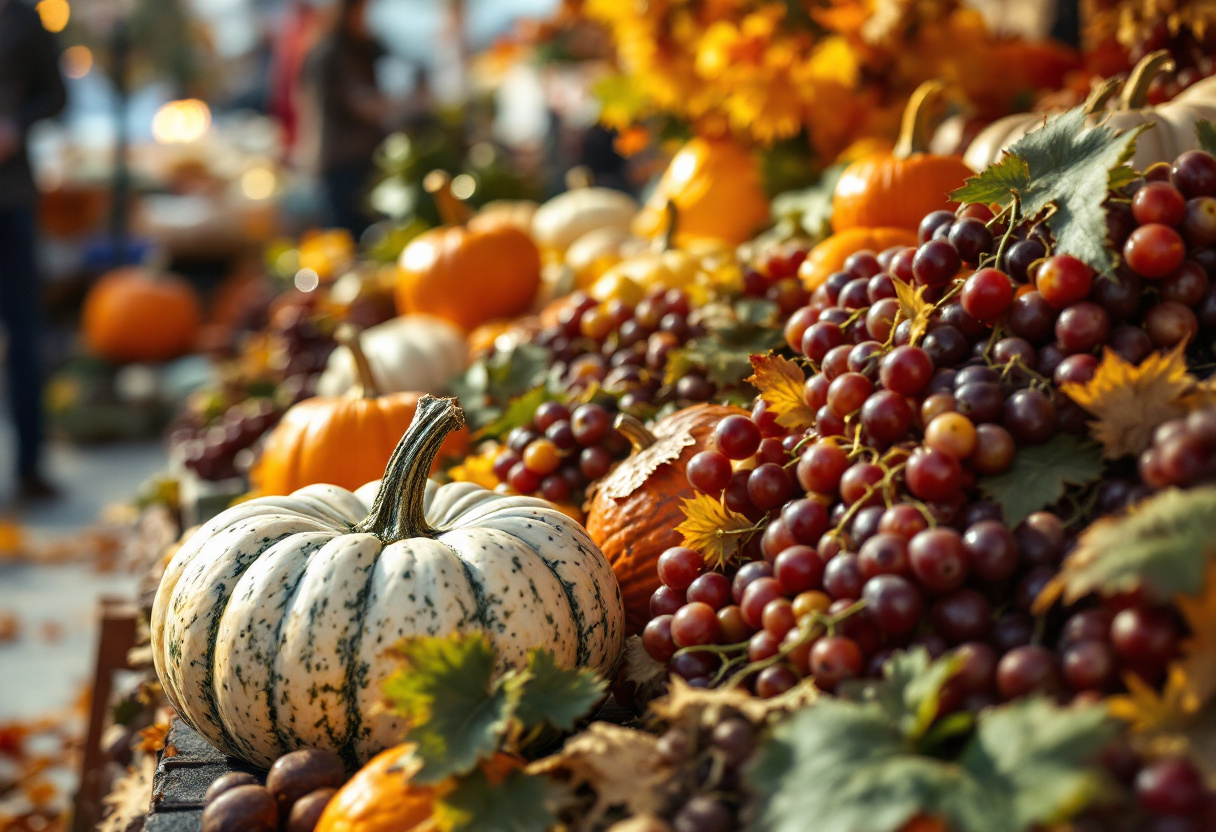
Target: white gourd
[410, 353]
[570, 215]
[272, 624]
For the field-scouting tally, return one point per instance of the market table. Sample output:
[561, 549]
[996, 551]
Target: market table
[182, 779]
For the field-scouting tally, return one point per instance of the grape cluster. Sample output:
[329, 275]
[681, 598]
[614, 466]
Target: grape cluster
[1165, 794]
[560, 451]
[874, 537]
[710, 759]
[223, 447]
[1183, 452]
[299, 786]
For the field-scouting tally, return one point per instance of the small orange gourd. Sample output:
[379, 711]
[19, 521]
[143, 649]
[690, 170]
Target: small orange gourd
[344, 441]
[897, 189]
[132, 314]
[381, 798]
[467, 275]
[829, 255]
[715, 186]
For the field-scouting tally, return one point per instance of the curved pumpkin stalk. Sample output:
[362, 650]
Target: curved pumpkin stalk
[452, 211]
[638, 434]
[1135, 91]
[349, 336]
[914, 127]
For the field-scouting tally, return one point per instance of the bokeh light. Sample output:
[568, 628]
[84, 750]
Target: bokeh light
[77, 61]
[181, 122]
[54, 14]
[258, 183]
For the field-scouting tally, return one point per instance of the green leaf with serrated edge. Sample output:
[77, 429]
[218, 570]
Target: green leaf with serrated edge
[488, 385]
[1164, 546]
[724, 365]
[456, 711]
[756, 311]
[910, 691]
[1040, 474]
[519, 412]
[847, 766]
[1031, 760]
[1205, 132]
[996, 183]
[556, 695]
[522, 802]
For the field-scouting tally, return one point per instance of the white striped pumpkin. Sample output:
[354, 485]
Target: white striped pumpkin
[272, 624]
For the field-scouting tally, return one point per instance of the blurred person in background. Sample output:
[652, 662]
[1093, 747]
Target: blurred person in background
[353, 116]
[30, 89]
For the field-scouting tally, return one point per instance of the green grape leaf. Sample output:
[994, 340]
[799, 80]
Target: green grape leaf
[556, 695]
[522, 802]
[1040, 475]
[519, 412]
[848, 766]
[810, 207]
[1205, 131]
[910, 691]
[488, 386]
[1068, 167]
[996, 183]
[456, 711]
[1164, 545]
[725, 365]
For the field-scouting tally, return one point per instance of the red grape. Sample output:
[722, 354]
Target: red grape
[986, 294]
[679, 566]
[1154, 250]
[695, 623]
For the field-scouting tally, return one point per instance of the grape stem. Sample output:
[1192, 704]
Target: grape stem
[1015, 217]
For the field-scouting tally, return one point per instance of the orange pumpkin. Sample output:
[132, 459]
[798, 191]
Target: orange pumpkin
[468, 276]
[715, 186]
[381, 798]
[633, 531]
[829, 255]
[345, 441]
[132, 314]
[897, 189]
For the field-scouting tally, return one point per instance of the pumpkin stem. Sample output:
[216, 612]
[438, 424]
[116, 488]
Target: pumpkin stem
[1100, 95]
[365, 387]
[452, 211]
[1135, 91]
[639, 435]
[397, 513]
[914, 128]
[667, 241]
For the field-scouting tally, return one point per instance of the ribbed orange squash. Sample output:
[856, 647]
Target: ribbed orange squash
[829, 255]
[715, 186]
[897, 189]
[131, 314]
[633, 531]
[381, 798]
[344, 441]
[468, 276]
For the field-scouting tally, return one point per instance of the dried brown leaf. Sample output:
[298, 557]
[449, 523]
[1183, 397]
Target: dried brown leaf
[1130, 401]
[781, 382]
[630, 475]
[130, 798]
[152, 739]
[712, 529]
[621, 765]
[702, 706]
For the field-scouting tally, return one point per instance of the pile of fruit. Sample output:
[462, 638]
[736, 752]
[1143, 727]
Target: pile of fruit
[907, 528]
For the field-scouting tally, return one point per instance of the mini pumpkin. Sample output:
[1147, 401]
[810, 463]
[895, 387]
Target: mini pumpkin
[1173, 123]
[341, 440]
[133, 314]
[715, 185]
[897, 189]
[634, 529]
[412, 352]
[464, 275]
[271, 624]
[829, 255]
[568, 216]
[380, 797]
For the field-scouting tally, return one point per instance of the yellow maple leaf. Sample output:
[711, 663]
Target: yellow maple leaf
[780, 382]
[712, 529]
[479, 468]
[1198, 660]
[1130, 401]
[1146, 710]
[913, 307]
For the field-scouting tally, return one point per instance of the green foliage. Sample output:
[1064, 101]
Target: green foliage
[460, 713]
[1068, 167]
[457, 713]
[849, 766]
[519, 412]
[810, 207]
[1205, 131]
[910, 690]
[1040, 474]
[555, 695]
[1164, 546]
[520, 803]
[749, 327]
[488, 386]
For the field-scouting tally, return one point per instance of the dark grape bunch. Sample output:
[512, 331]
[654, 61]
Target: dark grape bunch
[874, 534]
[1183, 452]
[298, 787]
[1166, 794]
[224, 447]
[560, 452]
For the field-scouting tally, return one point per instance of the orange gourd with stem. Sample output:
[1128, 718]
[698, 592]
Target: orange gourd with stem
[897, 189]
[344, 441]
[468, 276]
